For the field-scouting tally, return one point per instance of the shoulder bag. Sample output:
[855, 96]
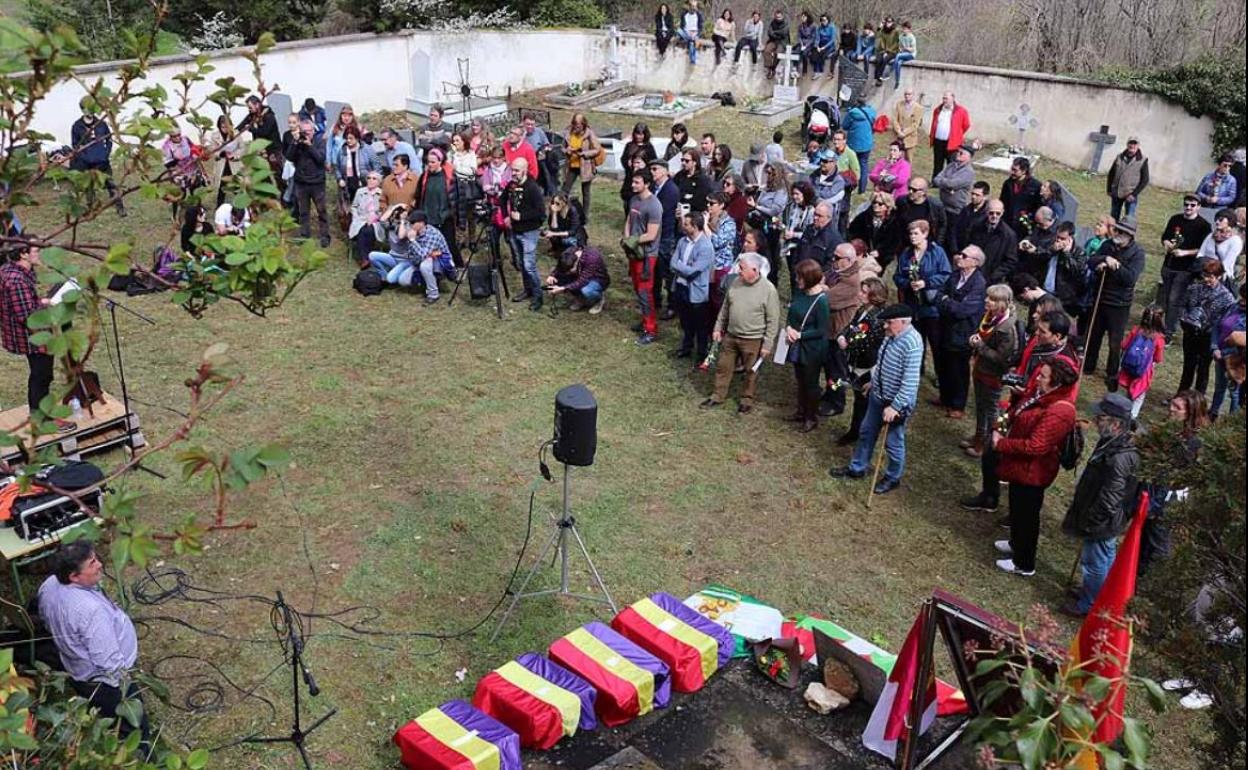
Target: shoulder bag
[786, 352]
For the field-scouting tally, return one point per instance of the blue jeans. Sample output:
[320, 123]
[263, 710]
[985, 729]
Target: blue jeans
[1096, 558]
[525, 244]
[430, 279]
[591, 292]
[1116, 206]
[864, 168]
[904, 56]
[393, 270]
[691, 42]
[1222, 383]
[894, 445]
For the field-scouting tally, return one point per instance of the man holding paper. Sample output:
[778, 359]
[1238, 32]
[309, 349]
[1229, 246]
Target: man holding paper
[19, 298]
[745, 330]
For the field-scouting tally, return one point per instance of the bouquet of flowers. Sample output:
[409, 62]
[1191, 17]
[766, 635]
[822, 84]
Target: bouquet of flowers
[1002, 424]
[914, 271]
[712, 356]
[1025, 223]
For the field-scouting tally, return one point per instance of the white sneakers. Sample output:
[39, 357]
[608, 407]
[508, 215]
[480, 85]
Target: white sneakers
[596, 308]
[1007, 565]
[1194, 700]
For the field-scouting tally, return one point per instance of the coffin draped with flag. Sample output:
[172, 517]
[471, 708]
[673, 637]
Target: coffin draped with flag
[630, 681]
[541, 700]
[691, 646]
[456, 736]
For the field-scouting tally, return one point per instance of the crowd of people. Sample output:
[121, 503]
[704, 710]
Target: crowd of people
[855, 272]
[817, 41]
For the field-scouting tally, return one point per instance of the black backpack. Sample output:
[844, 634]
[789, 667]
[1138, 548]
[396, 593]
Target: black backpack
[480, 282]
[367, 282]
[1020, 331]
[1072, 448]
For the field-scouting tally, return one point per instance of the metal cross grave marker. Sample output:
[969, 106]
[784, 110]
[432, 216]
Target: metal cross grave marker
[1101, 139]
[1023, 121]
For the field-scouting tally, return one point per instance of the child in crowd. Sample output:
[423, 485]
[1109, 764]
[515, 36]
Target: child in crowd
[1142, 350]
[774, 152]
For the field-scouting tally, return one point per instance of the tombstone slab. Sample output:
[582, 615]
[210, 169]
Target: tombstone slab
[282, 106]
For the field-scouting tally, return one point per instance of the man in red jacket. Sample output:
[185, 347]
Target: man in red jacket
[950, 123]
[514, 147]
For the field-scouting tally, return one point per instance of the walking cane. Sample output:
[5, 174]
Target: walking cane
[879, 461]
[1096, 306]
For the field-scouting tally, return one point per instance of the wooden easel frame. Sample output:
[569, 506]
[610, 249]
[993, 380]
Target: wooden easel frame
[953, 615]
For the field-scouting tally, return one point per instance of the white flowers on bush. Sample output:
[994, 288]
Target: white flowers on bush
[218, 32]
[441, 16]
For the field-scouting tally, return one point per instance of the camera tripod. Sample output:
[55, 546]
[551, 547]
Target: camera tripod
[493, 237]
[564, 531]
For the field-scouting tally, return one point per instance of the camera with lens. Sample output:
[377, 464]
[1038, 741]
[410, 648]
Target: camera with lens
[1013, 380]
[482, 208]
[757, 219]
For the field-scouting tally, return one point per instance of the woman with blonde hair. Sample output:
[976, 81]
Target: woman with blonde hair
[993, 349]
[1102, 231]
[878, 228]
[584, 153]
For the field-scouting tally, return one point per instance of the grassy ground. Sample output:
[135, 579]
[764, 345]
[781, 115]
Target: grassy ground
[415, 432]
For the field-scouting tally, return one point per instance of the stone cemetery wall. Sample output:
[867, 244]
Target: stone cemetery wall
[375, 72]
[371, 72]
[1068, 109]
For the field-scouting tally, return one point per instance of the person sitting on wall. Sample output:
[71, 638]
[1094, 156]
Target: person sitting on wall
[582, 274]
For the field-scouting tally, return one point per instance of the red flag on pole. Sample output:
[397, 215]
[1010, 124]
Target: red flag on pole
[1103, 644]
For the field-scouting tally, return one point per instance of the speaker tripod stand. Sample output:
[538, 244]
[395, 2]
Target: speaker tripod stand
[561, 537]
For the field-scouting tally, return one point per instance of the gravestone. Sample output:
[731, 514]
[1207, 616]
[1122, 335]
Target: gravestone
[332, 111]
[1101, 139]
[1023, 121]
[281, 105]
[786, 89]
[1071, 202]
[853, 76]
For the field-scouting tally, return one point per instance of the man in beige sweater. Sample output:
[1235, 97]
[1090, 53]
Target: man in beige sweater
[746, 328]
[908, 122]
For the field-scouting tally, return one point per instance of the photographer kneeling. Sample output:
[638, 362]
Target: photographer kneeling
[415, 246]
[581, 272]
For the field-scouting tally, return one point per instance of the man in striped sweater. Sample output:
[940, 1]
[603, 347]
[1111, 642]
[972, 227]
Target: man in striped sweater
[892, 395]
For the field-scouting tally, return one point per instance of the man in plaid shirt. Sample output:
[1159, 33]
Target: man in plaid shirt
[19, 297]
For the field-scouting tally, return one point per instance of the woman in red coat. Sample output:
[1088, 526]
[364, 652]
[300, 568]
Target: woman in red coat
[1029, 456]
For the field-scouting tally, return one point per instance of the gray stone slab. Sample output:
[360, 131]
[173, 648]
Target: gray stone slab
[282, 106]
[332, 111]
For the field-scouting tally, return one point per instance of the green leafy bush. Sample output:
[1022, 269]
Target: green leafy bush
[1210, 85]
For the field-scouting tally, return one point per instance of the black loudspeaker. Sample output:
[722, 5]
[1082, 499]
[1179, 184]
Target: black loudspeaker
[576, 426]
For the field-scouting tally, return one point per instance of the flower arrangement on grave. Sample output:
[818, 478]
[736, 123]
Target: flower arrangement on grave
[572, 89]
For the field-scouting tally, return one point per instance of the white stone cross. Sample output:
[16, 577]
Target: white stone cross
[788, 58]
[786, 89]
[1023, 121]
